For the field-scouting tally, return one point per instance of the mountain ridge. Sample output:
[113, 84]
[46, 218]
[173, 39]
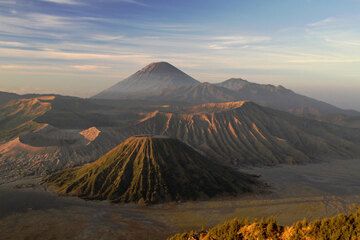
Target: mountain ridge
[199, 93]
[281, 98]
[245, 133]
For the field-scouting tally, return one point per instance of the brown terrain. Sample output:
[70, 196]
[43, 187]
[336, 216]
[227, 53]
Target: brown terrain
[214, 146]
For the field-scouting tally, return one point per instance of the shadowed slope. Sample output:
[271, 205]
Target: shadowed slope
[6, 97]
[151, 170]
[246, 133]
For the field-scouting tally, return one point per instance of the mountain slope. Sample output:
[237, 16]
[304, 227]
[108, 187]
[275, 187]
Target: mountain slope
[246, 133]
[283, 99]
[199, 93]
[151, 170]
[17, 116]
[6, 96]
[49, 149]
[149, 81]
[31, 145]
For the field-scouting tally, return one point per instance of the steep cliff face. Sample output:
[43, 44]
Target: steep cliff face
[152, 169]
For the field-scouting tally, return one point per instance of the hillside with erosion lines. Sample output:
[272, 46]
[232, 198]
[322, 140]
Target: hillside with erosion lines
[152, 169]
[246, 133]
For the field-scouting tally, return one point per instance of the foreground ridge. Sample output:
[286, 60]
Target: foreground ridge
[337, 227]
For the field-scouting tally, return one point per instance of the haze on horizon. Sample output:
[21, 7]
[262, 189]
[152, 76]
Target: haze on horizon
[80, 47]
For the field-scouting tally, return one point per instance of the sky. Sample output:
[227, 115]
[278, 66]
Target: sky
[80, 47]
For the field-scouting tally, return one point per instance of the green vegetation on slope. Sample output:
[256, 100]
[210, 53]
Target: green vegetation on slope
[151, 170]
[338, 227]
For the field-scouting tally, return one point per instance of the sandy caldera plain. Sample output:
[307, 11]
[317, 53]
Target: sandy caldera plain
[28, 211]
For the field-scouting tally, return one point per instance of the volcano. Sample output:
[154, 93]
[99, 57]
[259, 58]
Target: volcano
[150, 81]
[152, 169]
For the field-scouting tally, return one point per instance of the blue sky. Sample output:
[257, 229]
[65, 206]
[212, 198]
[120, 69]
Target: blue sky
[80, 47]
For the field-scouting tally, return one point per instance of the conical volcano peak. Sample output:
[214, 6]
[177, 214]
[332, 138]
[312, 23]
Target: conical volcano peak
[163, 70]
[160, 67]
[152, 169]
[151, 80]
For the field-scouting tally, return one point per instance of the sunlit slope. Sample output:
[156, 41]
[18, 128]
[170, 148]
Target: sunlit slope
[49, 149]
[31, 147]
[17, 116]
[342, 226]
[152, 169]
[42, 134]
[246, 133]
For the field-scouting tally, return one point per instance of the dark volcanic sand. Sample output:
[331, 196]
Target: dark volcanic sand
[310, 191]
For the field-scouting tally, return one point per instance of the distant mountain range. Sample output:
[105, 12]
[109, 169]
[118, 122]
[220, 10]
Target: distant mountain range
[283, 99]
[163, 82]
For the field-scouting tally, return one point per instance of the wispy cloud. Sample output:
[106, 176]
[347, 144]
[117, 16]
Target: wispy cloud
[23, 67]
[355, 42]
[139, 3]
[7, 2]
[44, 24]
[40, 43]
[70, 2]
[324, 22]
[225, 42]
[56, 54]
[89, 67]
[74, 2]
[11, 44]
[83, 2]
[106, 37]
